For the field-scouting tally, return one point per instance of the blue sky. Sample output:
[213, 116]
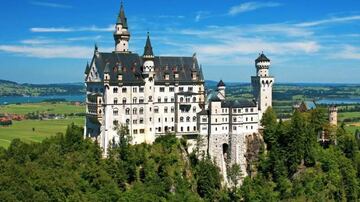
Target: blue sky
[49, 41]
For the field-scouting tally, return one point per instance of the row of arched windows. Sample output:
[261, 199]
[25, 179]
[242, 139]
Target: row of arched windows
[187, 119]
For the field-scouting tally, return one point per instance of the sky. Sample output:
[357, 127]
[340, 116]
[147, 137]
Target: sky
[318, 41]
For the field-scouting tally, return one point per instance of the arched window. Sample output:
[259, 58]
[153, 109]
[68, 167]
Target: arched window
[115, 101]
[172, 109]
[127, 111]
[141, 110]
[124, 101]
[181, 99]
[194, 118]
[134, 100]
[134, 111]
[194, 99]
[159, 99]
[165, 109]
[194, 128]
[165, 99]
[115, 112]
[156, 109]
[150, 98]
[188, 119]
[181, 119]
[194, 109]
[115, 90]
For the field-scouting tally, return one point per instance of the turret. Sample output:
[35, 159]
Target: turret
[121, 34]
[221, 90]
[148, 56]
[262, 64]
[333, 115]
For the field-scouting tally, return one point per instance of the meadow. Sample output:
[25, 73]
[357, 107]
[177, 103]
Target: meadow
[38, 130]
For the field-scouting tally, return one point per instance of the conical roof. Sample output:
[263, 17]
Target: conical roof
[262, 57]
[221, 83]
[121, 19]
[87, 69]
[148, 48]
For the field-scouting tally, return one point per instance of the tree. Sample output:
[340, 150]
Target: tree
[269, 122]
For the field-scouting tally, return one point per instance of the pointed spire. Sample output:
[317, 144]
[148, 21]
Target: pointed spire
[96, 48]
[121, 17]
[221, 83]
[148, 48]
[87, 69]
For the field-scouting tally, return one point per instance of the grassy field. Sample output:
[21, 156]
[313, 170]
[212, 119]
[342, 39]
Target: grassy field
[58, 108]
[43, 129]
[344, 115]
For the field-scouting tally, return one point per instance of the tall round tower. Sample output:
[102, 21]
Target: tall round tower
[221, 90]
[333, 115]
[121, 34]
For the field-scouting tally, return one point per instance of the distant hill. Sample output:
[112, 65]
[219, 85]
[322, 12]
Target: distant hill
[10, 88]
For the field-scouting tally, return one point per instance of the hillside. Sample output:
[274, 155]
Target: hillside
[10, 88]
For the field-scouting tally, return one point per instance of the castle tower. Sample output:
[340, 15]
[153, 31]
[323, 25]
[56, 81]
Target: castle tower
[121, 34]
[262, 84]
[148, 57]
[333, 115]
[221, 90]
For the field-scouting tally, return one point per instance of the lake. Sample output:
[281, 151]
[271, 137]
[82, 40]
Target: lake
[34, 99]
[338, 101]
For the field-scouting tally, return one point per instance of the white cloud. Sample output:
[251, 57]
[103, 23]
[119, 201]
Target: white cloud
[37, 41]
[329, 21]
[201, 15]
[347, 52]
[72, 29]
[250, 6]
[49, 4]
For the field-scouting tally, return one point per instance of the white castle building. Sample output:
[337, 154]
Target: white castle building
[155, 95]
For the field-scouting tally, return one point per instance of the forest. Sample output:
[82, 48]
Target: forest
[291, 166]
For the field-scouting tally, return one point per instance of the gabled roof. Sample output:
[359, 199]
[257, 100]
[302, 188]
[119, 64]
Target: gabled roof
[121, 17]
[148, 48]
[221, 83]
[262, 58]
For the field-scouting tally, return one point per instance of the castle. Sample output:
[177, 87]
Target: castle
[154, 95]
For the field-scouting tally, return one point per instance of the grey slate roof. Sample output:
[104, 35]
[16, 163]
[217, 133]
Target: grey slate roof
[148, 48]
[87, 69]
[131, 68]
[122, 18]
[204, 112]
[221, 83]
[262, 57]
[237, 103]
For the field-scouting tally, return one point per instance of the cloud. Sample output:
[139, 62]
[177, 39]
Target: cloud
[71, 29]
[329, 21]
[37, 41]
[347, 52]
[201, 15]
[49, 4]
[250, 6]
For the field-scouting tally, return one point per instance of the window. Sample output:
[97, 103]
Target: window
[234, 127]
[134, 121]
[165, 119]
[134, 89]
[172, 119]
[115, 112]
[134, 100]
[115, 90]
[181, 119]
[172, 109]
[159, 120]
[156, 109]
[141, 110]
[142, 131]
[234, 110]
[194, 118]
[194, 99]
[162, 89]
[165, 99]
[188, 119]
[190, 89]
[247, 118]
[166, 110]
[124, 101]
[181, 89]
[252, 110]
[172, 99]
[171, 89]
[239, 110]
[115, 101]
[150, 99]
[234, 119]
[127, 121]
[124, 90]
[252, 118]
[215, 120]
[141, 120]
[182, 129]
[141, 89]
[188, 128]
[204, 119]
[159, 99]
[194, 109]
[187, 99]
[134, 111]
[181, 99]
[115, 123]
[246, 109]
[127, 111]
[135, 131]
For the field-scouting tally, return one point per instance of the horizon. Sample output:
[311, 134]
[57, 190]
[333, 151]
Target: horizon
[53, 45]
